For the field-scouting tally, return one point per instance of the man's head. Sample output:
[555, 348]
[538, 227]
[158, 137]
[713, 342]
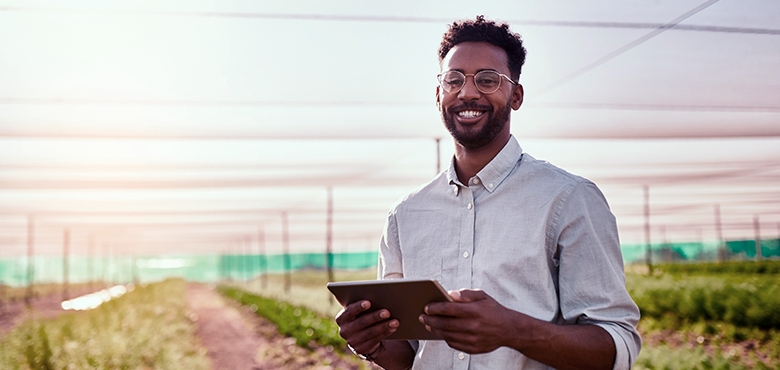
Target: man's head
[478, 87]
[480, 30]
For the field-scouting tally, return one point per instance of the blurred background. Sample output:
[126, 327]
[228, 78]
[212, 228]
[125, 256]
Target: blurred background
[141, 140]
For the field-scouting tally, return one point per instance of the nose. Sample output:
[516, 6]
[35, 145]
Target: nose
[469, 90]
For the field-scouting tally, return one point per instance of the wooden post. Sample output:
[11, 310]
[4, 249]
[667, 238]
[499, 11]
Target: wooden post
[91, 260]
[30, 263]
[719, 233]
[286, 254]
[329, 235]
[438, 155]
[648, 257]
[263, 258]
[65, 246]
[757, 228]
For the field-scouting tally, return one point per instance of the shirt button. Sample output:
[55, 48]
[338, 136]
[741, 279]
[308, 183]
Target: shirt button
[490, 186]
[469, 206]
[466, 254]
[455, 189]
[475, 181]
[461, 355]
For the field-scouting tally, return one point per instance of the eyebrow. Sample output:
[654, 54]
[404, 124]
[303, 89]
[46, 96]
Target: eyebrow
[481, 70]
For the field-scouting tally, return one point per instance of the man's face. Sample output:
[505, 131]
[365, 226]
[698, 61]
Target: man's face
[475, 119]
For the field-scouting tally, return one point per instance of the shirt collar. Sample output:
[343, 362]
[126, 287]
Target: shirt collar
[494, 172]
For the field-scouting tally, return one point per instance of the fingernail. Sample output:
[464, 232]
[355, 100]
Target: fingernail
[455, 294]
[421, 319]
[394, 324]
[426, 309]
[384, 314]
[428, 328]
[366, 304]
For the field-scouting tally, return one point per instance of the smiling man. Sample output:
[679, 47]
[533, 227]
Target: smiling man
[529, 252]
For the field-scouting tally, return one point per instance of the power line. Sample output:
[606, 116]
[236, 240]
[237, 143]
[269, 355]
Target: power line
[403, 19]
[625, 48]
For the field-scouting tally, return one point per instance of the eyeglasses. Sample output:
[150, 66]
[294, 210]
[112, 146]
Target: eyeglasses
[487, 81]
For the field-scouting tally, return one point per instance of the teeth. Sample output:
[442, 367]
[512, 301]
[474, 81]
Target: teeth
[469, 113]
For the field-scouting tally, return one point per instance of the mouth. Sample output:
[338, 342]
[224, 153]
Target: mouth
[470, 116]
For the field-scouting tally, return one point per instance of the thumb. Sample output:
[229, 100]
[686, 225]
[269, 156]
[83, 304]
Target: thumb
[468, 295]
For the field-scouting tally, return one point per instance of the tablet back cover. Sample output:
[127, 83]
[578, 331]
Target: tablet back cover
[404, 298]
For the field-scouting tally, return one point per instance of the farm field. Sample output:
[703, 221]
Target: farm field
[692, 318]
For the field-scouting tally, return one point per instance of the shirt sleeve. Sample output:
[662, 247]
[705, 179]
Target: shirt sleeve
[390, 258]
[591, 276]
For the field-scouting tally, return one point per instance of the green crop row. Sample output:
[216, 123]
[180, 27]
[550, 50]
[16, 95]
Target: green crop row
[771, 267]
[143, 329]
[294, 321]
[752, 302]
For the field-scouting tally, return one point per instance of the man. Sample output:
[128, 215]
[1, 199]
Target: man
[530, 251]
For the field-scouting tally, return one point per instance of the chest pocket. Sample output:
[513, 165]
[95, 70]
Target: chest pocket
[426, 238]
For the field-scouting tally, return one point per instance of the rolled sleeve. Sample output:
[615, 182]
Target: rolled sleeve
[591, 275]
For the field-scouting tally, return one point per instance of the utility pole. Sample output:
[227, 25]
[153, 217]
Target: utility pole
[648, 257]
[757, 228]
[286, 254]
[329, 235]
[30, 262]
[65, 247]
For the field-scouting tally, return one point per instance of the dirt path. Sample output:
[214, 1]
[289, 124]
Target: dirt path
[49, 306]
[237, 339]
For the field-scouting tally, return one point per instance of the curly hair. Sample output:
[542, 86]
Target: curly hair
[480, 30]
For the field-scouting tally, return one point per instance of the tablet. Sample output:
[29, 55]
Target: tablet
[404, 298]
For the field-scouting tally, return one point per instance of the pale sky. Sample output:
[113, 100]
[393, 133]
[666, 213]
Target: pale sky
[169, 127]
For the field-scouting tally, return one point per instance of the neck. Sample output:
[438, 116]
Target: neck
[468, 162]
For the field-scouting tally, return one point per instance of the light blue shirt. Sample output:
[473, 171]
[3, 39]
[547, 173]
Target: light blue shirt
[534, 237]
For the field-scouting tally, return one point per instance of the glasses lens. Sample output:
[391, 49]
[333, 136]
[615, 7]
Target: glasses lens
[452, 81]
[488, 81]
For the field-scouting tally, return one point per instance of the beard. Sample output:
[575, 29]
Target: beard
[474, 139]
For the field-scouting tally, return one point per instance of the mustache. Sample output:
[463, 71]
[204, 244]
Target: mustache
[471, 106]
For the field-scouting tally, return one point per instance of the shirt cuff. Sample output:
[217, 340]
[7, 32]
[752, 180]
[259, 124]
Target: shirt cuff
[622, 357]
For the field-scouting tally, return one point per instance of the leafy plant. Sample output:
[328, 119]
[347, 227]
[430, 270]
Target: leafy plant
[294, 321]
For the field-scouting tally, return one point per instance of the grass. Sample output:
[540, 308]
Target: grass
[144, 329]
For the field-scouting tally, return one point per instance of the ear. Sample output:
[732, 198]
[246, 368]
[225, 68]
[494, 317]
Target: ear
[438, 98]
[517, 97]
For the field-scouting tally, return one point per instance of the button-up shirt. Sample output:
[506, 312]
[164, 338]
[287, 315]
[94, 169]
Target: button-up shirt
[536, 238]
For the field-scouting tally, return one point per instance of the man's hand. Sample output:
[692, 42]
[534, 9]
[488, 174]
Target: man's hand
[473, 323]
[365, 333]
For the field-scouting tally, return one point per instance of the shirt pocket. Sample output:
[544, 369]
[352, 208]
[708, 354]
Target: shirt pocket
[422, 268]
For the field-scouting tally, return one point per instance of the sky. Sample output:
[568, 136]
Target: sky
[187, 127]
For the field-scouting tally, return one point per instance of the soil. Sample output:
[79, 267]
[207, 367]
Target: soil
[49, 306]
[237, 339]
[234, 338]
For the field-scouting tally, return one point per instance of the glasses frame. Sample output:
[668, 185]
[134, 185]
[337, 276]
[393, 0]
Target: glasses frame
[473, 75]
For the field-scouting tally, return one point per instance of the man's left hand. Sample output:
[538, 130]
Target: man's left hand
[473, 323]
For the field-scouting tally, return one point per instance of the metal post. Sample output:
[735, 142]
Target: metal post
[286, 254]
[648, 257]
[30, 255]
[757, 228]
[329, 235]
[65, 246]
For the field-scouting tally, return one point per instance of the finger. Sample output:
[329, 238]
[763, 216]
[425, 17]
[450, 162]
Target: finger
[367, 326]
[468, 295]
[443, 323]
[455, 309]
[366, 340]
[349, 312]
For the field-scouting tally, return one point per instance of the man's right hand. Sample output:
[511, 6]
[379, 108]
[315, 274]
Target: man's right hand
[365, 333]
